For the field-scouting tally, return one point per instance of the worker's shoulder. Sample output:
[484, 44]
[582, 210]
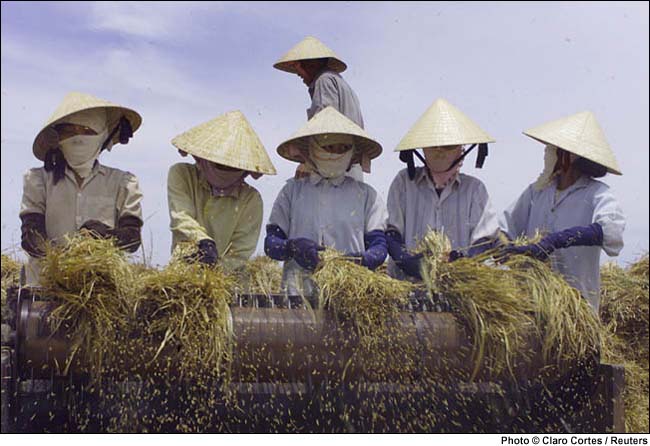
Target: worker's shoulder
[330, 77]
[115, 173]
[249, 192]
[183, 169]
[471, 181]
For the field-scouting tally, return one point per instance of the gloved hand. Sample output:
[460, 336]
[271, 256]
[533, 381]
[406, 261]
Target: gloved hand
[97, 228]
[305, 252]
[591, 235]
[376, 249]
[127, 233]
[407, 262]
[478, 247]
[33, 234]
[276, 244]
[206, 254]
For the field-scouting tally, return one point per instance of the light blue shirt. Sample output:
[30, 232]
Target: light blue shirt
[548, 210]
[333, 213]
[463, 211]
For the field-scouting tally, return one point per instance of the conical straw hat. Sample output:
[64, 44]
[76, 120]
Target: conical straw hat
[76, 102]
[309, 48]
[228, 140]
[443, 125]
[328, 121]
[579, 134]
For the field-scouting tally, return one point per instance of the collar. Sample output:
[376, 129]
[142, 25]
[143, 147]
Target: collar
[216, 193]
[560, 195]
[315, 179]
[97, 169]
[318, 75]
[422, 174]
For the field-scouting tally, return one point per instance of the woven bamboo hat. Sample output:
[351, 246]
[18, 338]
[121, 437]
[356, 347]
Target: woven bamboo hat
[309, 48]
[579, 134]
[325, 122]
[77, 102]
[443, 125]
[228, 140]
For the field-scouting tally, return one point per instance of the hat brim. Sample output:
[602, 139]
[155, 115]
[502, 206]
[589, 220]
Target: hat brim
[41, 146]
[285, 150]
[289, 66]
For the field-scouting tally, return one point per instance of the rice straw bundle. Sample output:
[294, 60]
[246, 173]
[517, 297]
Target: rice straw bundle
[92, 280]
[261, 275]
[10, 277]
[358, 294]
[624, 310]
[186, 305]
[506, 307]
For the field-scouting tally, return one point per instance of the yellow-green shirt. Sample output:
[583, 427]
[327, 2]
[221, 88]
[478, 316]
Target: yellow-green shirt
[232, 222]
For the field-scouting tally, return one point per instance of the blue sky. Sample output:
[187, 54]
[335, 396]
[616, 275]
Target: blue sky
[508, 66]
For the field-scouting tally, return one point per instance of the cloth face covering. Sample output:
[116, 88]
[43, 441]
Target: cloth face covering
[327, 164]
[439, 160]
[81, 151]
[222, 182]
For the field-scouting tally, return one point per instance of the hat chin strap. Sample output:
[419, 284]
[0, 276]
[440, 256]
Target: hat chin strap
[406, 156]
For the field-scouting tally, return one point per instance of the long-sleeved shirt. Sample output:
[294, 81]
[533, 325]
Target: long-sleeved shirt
[106, 195]
[330, 89]
[548, 210]
[232, 222]
[463, 211]
[335, 213]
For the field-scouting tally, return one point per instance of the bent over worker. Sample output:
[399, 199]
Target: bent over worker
[210, 203]
[320, 70]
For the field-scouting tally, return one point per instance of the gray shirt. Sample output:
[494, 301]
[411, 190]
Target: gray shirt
[334, 213]
[463, 211]
[329, 88]
[548, 210]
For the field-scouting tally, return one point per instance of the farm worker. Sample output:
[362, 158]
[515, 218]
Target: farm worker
[73, 190]
[320, 69]
[210, 203]
[327, 208]
[578, 213]
[437, 196]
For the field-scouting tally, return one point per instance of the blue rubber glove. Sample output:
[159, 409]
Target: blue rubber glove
[407, 262]
[591, 235]
[305, 252]
[276, 244]
[478, 247]
[376, 249]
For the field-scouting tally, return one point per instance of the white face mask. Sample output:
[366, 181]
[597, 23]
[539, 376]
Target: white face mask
[327, 164]
[81, 151]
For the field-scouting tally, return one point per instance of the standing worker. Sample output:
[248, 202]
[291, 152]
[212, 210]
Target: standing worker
[327, 208]
[577, 213]
[210, 203]
[437, 196]
[319, 68]
[73, 191]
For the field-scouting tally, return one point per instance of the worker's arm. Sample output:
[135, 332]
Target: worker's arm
[326, 93]
[32, 213]
[182, 208]
[247, 232]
